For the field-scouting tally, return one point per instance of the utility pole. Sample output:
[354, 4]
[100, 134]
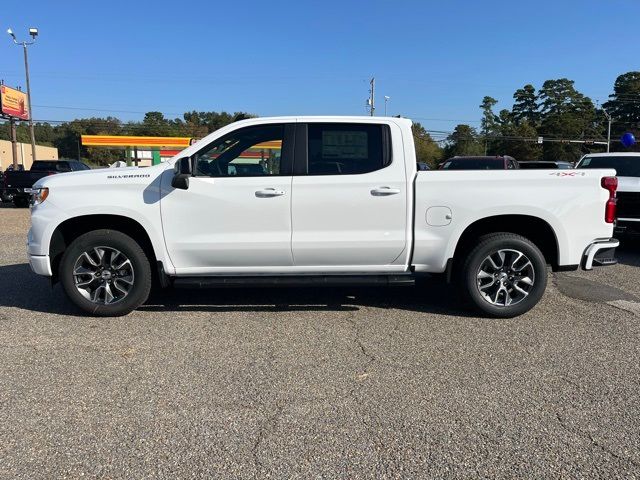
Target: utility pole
[34, 33]
[609, 120]
[372, 97]
[14, 142]
[386, 100]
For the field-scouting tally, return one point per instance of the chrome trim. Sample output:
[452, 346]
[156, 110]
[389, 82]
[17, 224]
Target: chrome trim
[594, 248]
[627, 219]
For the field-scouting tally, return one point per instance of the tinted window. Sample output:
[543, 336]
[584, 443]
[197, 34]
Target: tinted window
[541, 165]
[79, 166]
[248, 152]
[40, 165]
[474, 164]
[346, 149]
[625, 166]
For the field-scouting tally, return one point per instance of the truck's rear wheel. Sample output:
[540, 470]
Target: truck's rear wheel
[105, 273]
[505, 275]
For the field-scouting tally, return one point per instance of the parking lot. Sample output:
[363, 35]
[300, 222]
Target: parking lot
[347, 383]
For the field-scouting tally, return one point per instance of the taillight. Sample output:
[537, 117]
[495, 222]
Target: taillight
[610, 184]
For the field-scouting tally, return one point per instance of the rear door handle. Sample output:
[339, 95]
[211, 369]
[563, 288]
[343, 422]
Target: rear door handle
[269, 192]
[384, 191]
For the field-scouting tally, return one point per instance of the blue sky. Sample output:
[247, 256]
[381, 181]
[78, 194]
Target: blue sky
[435, 59]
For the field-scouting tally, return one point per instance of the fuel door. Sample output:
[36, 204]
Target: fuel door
[439, 216]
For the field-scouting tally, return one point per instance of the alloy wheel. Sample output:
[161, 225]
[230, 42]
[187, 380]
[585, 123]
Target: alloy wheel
[505, 277]
[103, 275]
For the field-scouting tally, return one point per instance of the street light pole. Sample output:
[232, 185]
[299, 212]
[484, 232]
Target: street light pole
[31, 130]
[386, 99]
[34, 33]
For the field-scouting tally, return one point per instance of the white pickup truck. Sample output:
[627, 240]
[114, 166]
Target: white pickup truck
[316, 200]
[627, 167]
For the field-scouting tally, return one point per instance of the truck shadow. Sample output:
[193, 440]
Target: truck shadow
[629, 251]
[427, 297]
[20, 288]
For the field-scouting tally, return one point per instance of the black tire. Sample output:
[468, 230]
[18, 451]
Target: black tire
[110, 239]
[20, 202]
[470, 284]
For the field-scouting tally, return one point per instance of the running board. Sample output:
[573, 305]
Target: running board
[294, 281]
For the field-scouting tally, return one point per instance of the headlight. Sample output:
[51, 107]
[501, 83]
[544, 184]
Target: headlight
[38, 195]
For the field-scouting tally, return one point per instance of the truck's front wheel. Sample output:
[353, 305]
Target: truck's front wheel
[505, 275]
[105, 273]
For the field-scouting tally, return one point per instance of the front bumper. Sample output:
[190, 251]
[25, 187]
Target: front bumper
[600, 253]
[40, 264]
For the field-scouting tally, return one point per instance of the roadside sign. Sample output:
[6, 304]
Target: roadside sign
[540, 139]
[13, 103]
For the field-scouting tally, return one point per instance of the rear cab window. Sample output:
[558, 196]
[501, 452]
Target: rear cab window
[474, 164]
[625, 166]
[44, 166]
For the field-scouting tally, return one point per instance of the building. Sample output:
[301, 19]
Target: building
[24, 154]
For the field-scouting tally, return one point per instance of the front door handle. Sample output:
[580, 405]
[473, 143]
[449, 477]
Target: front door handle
[384, 191]
[269, 192]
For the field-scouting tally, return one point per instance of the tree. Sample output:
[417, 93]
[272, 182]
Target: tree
[427, 150]
[489, 119]
[155, 125]
[203, 123]
[624, 106]
[463, 141]
[565, 114]
[525, 105]
[517, 140]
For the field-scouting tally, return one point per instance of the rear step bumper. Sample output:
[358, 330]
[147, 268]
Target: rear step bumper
[600, 254]
[294, 281]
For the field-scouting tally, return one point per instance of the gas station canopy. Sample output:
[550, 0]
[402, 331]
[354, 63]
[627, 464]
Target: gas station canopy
[120, 141]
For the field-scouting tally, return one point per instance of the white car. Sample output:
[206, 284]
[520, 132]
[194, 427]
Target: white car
[627, 167]
[326, 200]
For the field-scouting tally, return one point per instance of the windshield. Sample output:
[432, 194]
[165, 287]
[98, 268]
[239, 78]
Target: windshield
[625, 166]
[474, 164]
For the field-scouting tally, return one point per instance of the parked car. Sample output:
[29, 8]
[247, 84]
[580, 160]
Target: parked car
[627, 167]
[17, 184]
[504, 162]
[342, 203]
[545, 164]
[6, 196]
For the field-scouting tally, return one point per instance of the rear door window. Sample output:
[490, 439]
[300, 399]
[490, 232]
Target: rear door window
[347, 149]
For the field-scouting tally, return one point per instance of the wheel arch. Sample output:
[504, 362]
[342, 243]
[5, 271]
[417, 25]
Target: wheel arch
[70, 229]
[536, 229]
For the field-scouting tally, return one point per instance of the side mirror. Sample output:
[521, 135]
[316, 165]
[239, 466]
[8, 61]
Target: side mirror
[182, 172]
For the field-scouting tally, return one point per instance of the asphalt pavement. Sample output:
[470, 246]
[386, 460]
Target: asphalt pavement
[322, 383]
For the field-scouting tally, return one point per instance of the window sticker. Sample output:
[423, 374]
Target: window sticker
[344, 145]
[586, 162]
